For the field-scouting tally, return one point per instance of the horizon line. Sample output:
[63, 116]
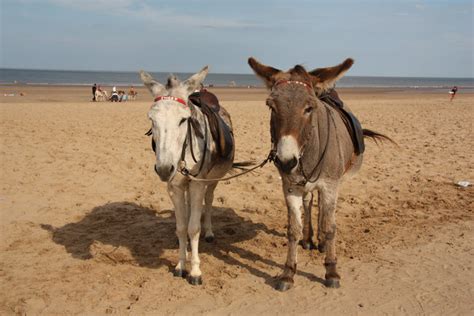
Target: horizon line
[217, 73]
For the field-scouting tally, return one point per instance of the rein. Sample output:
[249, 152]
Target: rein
[271, 157]
[186, 172]
[182, 162]
[311, 178]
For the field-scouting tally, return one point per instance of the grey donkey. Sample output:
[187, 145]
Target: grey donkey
[313, 151]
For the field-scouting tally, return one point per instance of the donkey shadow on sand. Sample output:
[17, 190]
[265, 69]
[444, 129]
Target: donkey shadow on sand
[147, 234]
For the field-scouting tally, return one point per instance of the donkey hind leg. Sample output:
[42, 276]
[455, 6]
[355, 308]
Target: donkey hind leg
[207, 224]
[328, 208]
[294, 203]
[321, 215]
[196, 192]
[307, 242]
[177, 195]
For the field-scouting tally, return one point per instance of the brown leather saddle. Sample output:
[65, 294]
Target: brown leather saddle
[220, 131]
[350, 120]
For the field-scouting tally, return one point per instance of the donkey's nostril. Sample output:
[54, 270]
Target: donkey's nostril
[292, 163]
[171, 169]
[287, 166]
[163, 172]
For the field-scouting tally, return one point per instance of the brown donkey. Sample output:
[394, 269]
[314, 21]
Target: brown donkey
[313, 151]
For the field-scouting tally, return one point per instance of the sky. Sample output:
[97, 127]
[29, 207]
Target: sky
[386, 38]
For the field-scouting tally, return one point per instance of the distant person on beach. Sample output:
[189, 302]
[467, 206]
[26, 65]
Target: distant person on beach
[114, 89]
[115, 96]
[453, 92]
[94, 89]
[132, 94]
[122, 96]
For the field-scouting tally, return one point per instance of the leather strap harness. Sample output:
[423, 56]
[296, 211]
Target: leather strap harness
[182, 164]
[331, 98]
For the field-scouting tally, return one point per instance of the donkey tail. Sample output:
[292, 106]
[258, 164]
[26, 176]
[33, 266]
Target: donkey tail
[377, 137]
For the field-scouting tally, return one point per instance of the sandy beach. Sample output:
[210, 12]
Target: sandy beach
[88, 228]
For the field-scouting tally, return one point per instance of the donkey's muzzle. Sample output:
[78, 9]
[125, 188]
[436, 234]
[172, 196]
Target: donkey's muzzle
[286, 166]
[164, 172]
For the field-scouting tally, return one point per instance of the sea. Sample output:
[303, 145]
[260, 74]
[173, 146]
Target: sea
[125, 78]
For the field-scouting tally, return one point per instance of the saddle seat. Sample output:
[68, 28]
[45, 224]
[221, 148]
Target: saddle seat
[350, 120]
[220, 130]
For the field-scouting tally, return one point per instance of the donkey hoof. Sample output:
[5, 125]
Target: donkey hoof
[307, 245]
[180, 273]
[332, 283]
[195, 280]
[284, 285]
[321, 248]
[209, 239]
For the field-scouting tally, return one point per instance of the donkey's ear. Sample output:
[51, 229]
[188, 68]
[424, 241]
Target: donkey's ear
[324, 78]
[266, 73]
[154, 86]
[193, 82]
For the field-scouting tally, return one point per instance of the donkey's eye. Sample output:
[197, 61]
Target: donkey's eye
[182, 121]
[308, 110]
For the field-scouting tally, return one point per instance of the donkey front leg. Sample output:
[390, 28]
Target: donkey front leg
[209, 197]
[328, 198]
[294, 203]
[180, 209]
[307, 242]
[196, 191]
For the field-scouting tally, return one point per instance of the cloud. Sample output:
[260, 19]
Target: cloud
[94, 4]
[140, 10]
[419, 7]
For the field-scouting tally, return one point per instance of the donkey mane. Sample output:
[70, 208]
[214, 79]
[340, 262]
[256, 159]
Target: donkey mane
[297, 73]
[172, 82]
[298, 70]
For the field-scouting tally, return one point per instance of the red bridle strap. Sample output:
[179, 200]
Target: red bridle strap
[292, 81]
[169, 98]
